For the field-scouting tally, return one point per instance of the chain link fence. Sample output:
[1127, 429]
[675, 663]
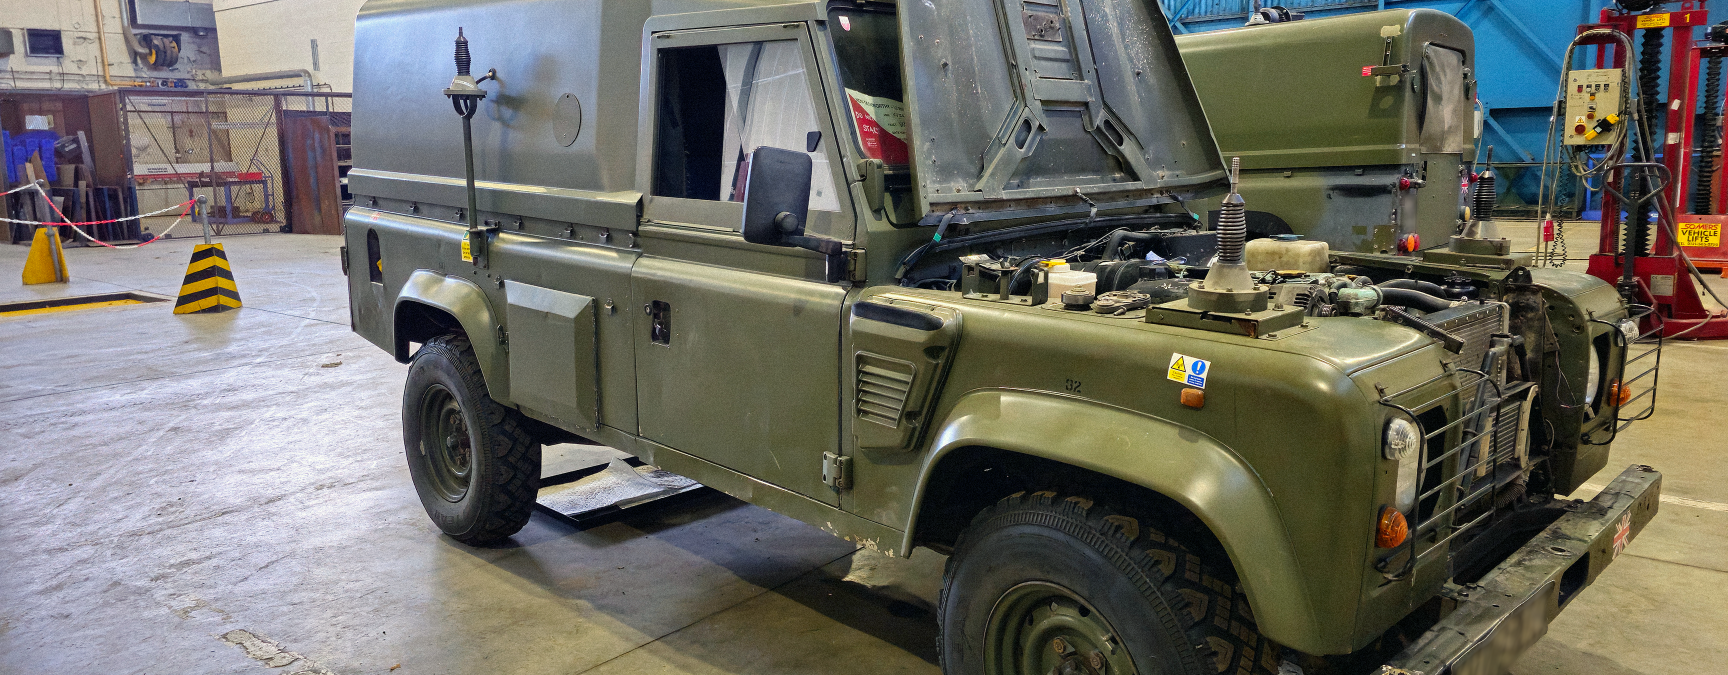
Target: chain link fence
[233, 147]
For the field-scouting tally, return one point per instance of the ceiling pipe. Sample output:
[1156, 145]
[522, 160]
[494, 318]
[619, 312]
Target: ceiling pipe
[304, 75]
[102, 45]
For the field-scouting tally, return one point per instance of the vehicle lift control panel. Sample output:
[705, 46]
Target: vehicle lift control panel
[1593, 115]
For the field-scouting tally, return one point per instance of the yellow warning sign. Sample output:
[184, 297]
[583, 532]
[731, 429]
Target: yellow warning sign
[467, 253]
[1703, 235]
[1653, 20]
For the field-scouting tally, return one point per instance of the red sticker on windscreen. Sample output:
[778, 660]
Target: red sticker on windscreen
[881, 127]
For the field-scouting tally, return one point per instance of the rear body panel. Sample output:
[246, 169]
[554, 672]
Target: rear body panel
[1323, 146]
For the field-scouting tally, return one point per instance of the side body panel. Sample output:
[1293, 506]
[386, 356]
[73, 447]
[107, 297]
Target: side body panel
[1279, 428]
[422, 265]
[748, 377]
[552, 354]
[598, 272]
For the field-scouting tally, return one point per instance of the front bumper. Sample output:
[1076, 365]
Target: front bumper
[1509, 608]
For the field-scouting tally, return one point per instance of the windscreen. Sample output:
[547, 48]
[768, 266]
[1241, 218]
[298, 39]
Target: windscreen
[867, 52]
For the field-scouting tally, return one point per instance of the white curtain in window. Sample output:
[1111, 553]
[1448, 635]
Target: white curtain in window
[778, 114]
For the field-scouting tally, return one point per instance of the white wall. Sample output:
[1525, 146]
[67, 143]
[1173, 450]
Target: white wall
[81, 67]
[264, 35]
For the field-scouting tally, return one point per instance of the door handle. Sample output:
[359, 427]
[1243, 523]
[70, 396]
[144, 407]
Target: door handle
[659, 322]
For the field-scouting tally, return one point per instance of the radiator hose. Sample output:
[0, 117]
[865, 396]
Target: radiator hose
[1415, 285]
[1404, 297]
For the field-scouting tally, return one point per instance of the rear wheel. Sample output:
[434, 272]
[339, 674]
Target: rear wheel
[1041, 584]
[474, 463]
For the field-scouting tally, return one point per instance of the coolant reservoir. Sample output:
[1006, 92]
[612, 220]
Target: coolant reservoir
[1061, 280]
[1287, 252]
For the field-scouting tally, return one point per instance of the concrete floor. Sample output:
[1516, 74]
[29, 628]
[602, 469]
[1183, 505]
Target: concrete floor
[226, 494]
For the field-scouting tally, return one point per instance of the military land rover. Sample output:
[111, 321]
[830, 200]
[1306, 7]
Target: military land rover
[935, 274]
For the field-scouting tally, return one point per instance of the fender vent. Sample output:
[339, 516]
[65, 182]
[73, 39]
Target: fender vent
[883, 384]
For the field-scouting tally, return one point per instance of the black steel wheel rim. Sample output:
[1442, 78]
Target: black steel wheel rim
[1041, 628]
[446, 444]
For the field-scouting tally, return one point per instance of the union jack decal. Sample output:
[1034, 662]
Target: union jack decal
[1623, 534]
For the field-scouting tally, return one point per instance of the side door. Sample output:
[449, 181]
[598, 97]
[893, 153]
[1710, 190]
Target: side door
[738, 355]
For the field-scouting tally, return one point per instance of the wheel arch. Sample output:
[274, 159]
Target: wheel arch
[433, 304]
[1191, 470]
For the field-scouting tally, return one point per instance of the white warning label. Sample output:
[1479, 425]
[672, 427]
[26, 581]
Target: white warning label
[1189, 370]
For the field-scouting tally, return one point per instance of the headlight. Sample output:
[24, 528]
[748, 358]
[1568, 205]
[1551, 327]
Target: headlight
[1403, 438]
[1408, 470]
[1629, 328]
[1403, 443]
[1593, 377]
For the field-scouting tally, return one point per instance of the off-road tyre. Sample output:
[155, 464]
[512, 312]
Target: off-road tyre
[1171, 612]
[481, 490]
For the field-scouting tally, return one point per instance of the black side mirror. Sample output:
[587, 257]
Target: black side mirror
[777, 203]
[776, 196]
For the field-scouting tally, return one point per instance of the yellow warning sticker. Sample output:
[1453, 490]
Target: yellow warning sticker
[1704, 235]
[1189, 370]
[467, 253]
[1653, 20]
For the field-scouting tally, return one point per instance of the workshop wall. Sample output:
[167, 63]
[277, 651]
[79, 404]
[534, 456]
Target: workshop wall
[55, 44]
[265, 35]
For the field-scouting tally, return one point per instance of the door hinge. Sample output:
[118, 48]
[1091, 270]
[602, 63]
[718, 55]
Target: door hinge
[855, 265]
[836, 471]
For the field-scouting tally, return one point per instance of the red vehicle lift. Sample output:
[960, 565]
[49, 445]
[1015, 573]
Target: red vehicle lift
[1662, 276]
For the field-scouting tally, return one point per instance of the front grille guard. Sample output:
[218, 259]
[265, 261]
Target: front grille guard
[1475, 428]
[1651, 342]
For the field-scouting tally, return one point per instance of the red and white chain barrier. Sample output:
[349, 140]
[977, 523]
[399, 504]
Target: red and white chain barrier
[184, 207]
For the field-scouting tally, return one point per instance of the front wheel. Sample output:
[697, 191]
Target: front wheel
[1040, 585]
[474, 463]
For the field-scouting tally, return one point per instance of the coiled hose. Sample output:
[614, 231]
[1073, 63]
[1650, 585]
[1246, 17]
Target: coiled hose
[1711, 141]
[1650, 80]
[1636, 235]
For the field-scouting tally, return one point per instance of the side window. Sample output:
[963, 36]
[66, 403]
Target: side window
[717, 103]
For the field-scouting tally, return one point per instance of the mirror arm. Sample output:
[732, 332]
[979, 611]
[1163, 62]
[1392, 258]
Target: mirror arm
[822, 245]
[832, 249]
